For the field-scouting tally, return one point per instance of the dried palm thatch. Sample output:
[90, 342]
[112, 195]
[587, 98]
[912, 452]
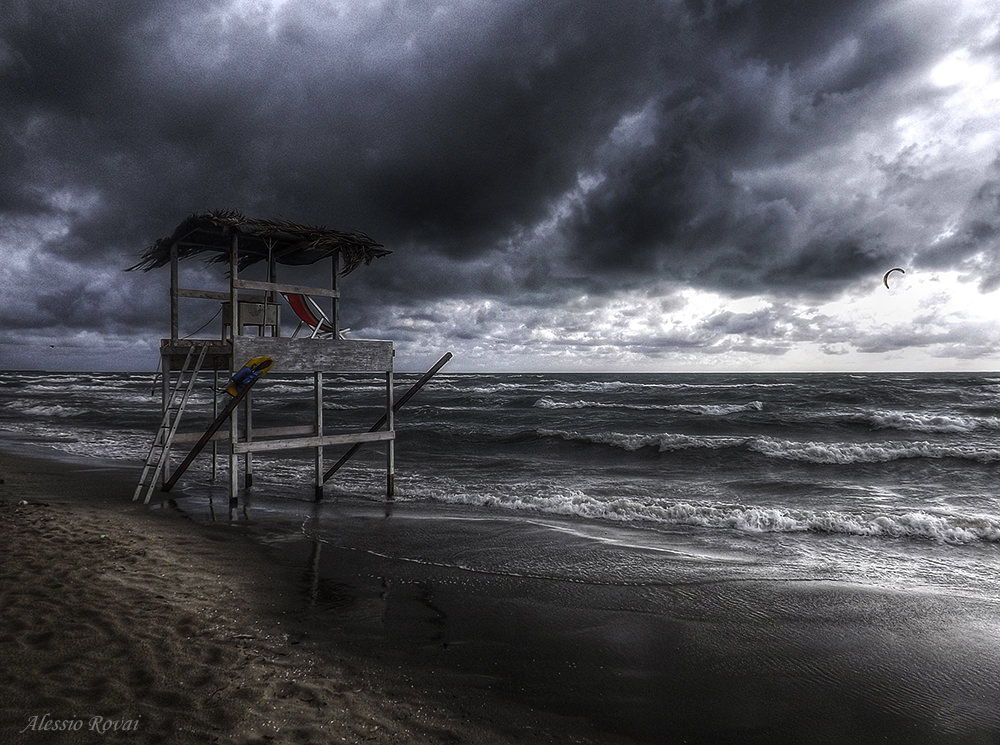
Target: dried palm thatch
[259, 240]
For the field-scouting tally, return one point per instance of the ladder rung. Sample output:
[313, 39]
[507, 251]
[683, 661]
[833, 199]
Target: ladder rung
[169, 423]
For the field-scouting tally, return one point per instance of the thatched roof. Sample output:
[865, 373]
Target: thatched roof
[211, 233]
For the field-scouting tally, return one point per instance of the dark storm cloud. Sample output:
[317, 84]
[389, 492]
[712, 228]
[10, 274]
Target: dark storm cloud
[530, 151]
[675, 204]
[467, 138]
[448, 135]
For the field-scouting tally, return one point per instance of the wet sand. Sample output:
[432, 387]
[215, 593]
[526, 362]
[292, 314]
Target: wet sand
[419, 625]
[648, 637]
[124, 623]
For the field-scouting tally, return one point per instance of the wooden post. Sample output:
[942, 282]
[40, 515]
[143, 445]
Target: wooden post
[335, 301]
[165, 398]
[390, 464]
[234, 320]
[234, 293]
[318, 385]
[174, 296]
[273, 298]
[215, 413]
[234, 459]
[248, 428]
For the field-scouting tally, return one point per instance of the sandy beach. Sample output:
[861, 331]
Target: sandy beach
[122, 623]
[418, 625]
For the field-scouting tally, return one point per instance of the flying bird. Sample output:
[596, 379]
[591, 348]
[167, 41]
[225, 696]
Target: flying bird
[885, 277]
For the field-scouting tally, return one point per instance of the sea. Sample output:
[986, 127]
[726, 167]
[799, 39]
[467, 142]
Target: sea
[667, 557]
[887, 480]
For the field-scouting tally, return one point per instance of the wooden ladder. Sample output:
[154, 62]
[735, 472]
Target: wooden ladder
[157, 456]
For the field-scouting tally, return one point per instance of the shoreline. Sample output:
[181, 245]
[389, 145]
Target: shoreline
[426, 625]
[168, 630]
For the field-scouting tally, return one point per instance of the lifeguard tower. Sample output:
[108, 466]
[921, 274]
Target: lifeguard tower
[251, 328]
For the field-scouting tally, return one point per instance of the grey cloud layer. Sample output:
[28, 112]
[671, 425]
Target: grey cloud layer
[459, 135]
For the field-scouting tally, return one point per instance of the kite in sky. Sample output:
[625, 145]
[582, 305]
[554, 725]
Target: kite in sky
[885, 277]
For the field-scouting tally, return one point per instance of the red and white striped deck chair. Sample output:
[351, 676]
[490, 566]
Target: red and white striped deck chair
[310, 314]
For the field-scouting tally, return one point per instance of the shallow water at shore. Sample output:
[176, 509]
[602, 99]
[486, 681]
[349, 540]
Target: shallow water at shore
[646, 634]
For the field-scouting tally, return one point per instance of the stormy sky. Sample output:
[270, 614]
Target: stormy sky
[565, 185]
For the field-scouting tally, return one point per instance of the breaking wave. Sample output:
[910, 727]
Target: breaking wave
[708, 409]
[948, 529]
[546, 386]
[834, 453]
[930, 423]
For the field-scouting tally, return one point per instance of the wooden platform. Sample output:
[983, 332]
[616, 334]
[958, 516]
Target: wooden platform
[290, 355]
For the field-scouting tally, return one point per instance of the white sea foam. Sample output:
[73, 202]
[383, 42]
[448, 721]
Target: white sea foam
[44, 410]
[556, 499]
[663, 442]
[868, 452]
[840, 453]
[593, 386]
[547, 402]
[929, 422]
[722, 409]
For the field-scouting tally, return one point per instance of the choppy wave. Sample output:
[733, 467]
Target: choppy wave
[548, 386]
[663, 442]
[840, 453]
[32, 409]
[948, 529]
[868, 452]
[557, 386]
[920, 525]
[929, 422]
[547, 402]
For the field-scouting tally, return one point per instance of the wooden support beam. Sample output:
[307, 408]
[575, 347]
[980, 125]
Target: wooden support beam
[308, 355]
[335, 302]
[312, 442]
[249, 284]
[203, 294]
[248, 428]
[164, 401]
[272, 295]
[318, 391]
[174, 323]
[390, 454]
[258, 432]
[234, 329]
[234, 306]
[266, 434]
[215, 415]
